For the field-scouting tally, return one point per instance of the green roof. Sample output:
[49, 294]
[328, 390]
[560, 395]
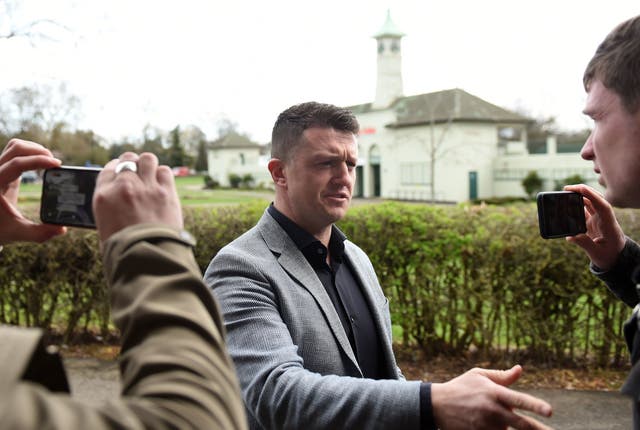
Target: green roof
[450, 105]
[389, 29]
[454, 105]
[233, 140]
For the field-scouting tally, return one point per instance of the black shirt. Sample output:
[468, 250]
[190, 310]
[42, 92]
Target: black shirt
[344, 290]
[350, 303]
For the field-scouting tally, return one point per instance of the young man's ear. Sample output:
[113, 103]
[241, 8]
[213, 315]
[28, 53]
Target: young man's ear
[276, 168]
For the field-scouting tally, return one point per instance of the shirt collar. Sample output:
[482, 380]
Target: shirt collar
[305, 241]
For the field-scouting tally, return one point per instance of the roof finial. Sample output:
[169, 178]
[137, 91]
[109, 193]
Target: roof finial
[389, 29]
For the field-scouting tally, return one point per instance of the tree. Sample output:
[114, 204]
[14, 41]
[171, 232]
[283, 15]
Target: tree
[116, 149]
[532, 184]
[433, 141]
[201, 159]
[152, 142]
[190, 138]
[38, 110]
[79, 147]
[176, 153]
[11, 27]
[226, 126]
[569, 180]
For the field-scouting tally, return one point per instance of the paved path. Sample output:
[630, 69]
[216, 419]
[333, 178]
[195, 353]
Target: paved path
[95, 381]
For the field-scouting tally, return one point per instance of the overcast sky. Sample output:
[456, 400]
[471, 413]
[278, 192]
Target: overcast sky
[192, 62]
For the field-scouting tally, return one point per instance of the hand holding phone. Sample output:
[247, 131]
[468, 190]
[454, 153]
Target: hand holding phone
[67, 194]
[561, 214]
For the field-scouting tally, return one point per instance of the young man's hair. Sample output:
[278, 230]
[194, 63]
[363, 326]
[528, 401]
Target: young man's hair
[291, 124]
[616, 63]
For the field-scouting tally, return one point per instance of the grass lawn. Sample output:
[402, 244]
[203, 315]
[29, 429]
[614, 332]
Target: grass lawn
[190, 189]
[192, 193]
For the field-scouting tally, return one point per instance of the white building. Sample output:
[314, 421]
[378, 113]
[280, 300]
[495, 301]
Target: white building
[447, 146]
[236, 154]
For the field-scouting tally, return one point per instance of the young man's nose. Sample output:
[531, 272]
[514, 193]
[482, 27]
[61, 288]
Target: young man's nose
[587, 149]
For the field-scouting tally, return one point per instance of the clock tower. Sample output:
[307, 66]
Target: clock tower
[389, 65]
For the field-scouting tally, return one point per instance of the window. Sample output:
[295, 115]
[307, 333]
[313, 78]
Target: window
[414, 174]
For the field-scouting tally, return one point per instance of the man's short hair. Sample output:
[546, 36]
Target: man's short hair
[291, 124]
[616, 63]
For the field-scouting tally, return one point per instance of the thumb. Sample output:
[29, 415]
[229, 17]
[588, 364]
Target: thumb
[582, 240]
[25, 230]
[503, 377]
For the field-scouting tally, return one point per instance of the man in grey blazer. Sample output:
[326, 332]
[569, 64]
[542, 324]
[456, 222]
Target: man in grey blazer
[308, 325]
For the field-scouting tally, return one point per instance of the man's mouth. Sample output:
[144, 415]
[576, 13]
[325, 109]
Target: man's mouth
[339, 196]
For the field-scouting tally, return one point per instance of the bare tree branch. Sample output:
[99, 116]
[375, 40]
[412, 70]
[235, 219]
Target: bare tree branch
[38, 29]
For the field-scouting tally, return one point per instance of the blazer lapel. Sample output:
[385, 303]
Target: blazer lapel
[294, 263]
[368, 285]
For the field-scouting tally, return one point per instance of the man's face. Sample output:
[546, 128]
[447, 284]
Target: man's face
[320, 177]
[613, 145]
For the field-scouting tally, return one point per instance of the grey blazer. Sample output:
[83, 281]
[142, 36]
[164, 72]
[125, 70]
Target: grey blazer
[294, 361]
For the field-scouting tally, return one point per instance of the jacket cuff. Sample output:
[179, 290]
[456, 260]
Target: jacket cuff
[427, 422]
[120, 242]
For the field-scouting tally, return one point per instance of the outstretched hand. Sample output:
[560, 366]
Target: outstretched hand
[18, 157]
[480, 399]
[604, 238]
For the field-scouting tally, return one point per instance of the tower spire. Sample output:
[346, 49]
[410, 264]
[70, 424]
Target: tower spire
[389, 65]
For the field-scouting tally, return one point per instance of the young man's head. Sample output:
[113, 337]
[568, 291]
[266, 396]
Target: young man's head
[314, 153]
[612, 82]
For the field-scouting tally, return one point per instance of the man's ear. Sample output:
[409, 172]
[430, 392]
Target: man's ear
[277, 169]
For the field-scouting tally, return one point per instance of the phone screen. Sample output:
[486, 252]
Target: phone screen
[67, 194]
[561, 214]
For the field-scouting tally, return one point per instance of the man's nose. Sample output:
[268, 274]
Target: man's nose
[341, 173]
[587, 149]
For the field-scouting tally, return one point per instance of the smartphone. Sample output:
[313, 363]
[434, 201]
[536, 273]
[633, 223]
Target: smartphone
[67, 194]
[561, 214]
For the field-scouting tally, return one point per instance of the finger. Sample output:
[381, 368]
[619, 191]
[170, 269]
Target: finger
[18, 147]
[107, 173]
[598, 201]
[44, 232]
[165, 176]
[11, 169]
[502, 377]
[523, 422]
[525, 402]
[28, 231]
[147, 165]
[582, 240]
[588, 206]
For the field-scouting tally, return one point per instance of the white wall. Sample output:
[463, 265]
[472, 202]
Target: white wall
[510, 170]
[223, 162]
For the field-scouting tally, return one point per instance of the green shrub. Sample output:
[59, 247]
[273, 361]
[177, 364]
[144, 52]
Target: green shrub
[458, 278]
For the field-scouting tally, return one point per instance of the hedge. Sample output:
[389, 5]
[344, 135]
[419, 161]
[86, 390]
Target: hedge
[458, 278]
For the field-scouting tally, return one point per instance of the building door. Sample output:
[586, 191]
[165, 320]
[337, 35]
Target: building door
[473, 185]
[375, 175]
[359, 191]
[374, 163]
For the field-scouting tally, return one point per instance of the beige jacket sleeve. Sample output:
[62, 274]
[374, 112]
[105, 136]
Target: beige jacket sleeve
[175, 370]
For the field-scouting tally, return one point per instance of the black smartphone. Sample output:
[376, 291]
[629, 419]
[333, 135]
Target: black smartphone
[67, 194]
[561, 214]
